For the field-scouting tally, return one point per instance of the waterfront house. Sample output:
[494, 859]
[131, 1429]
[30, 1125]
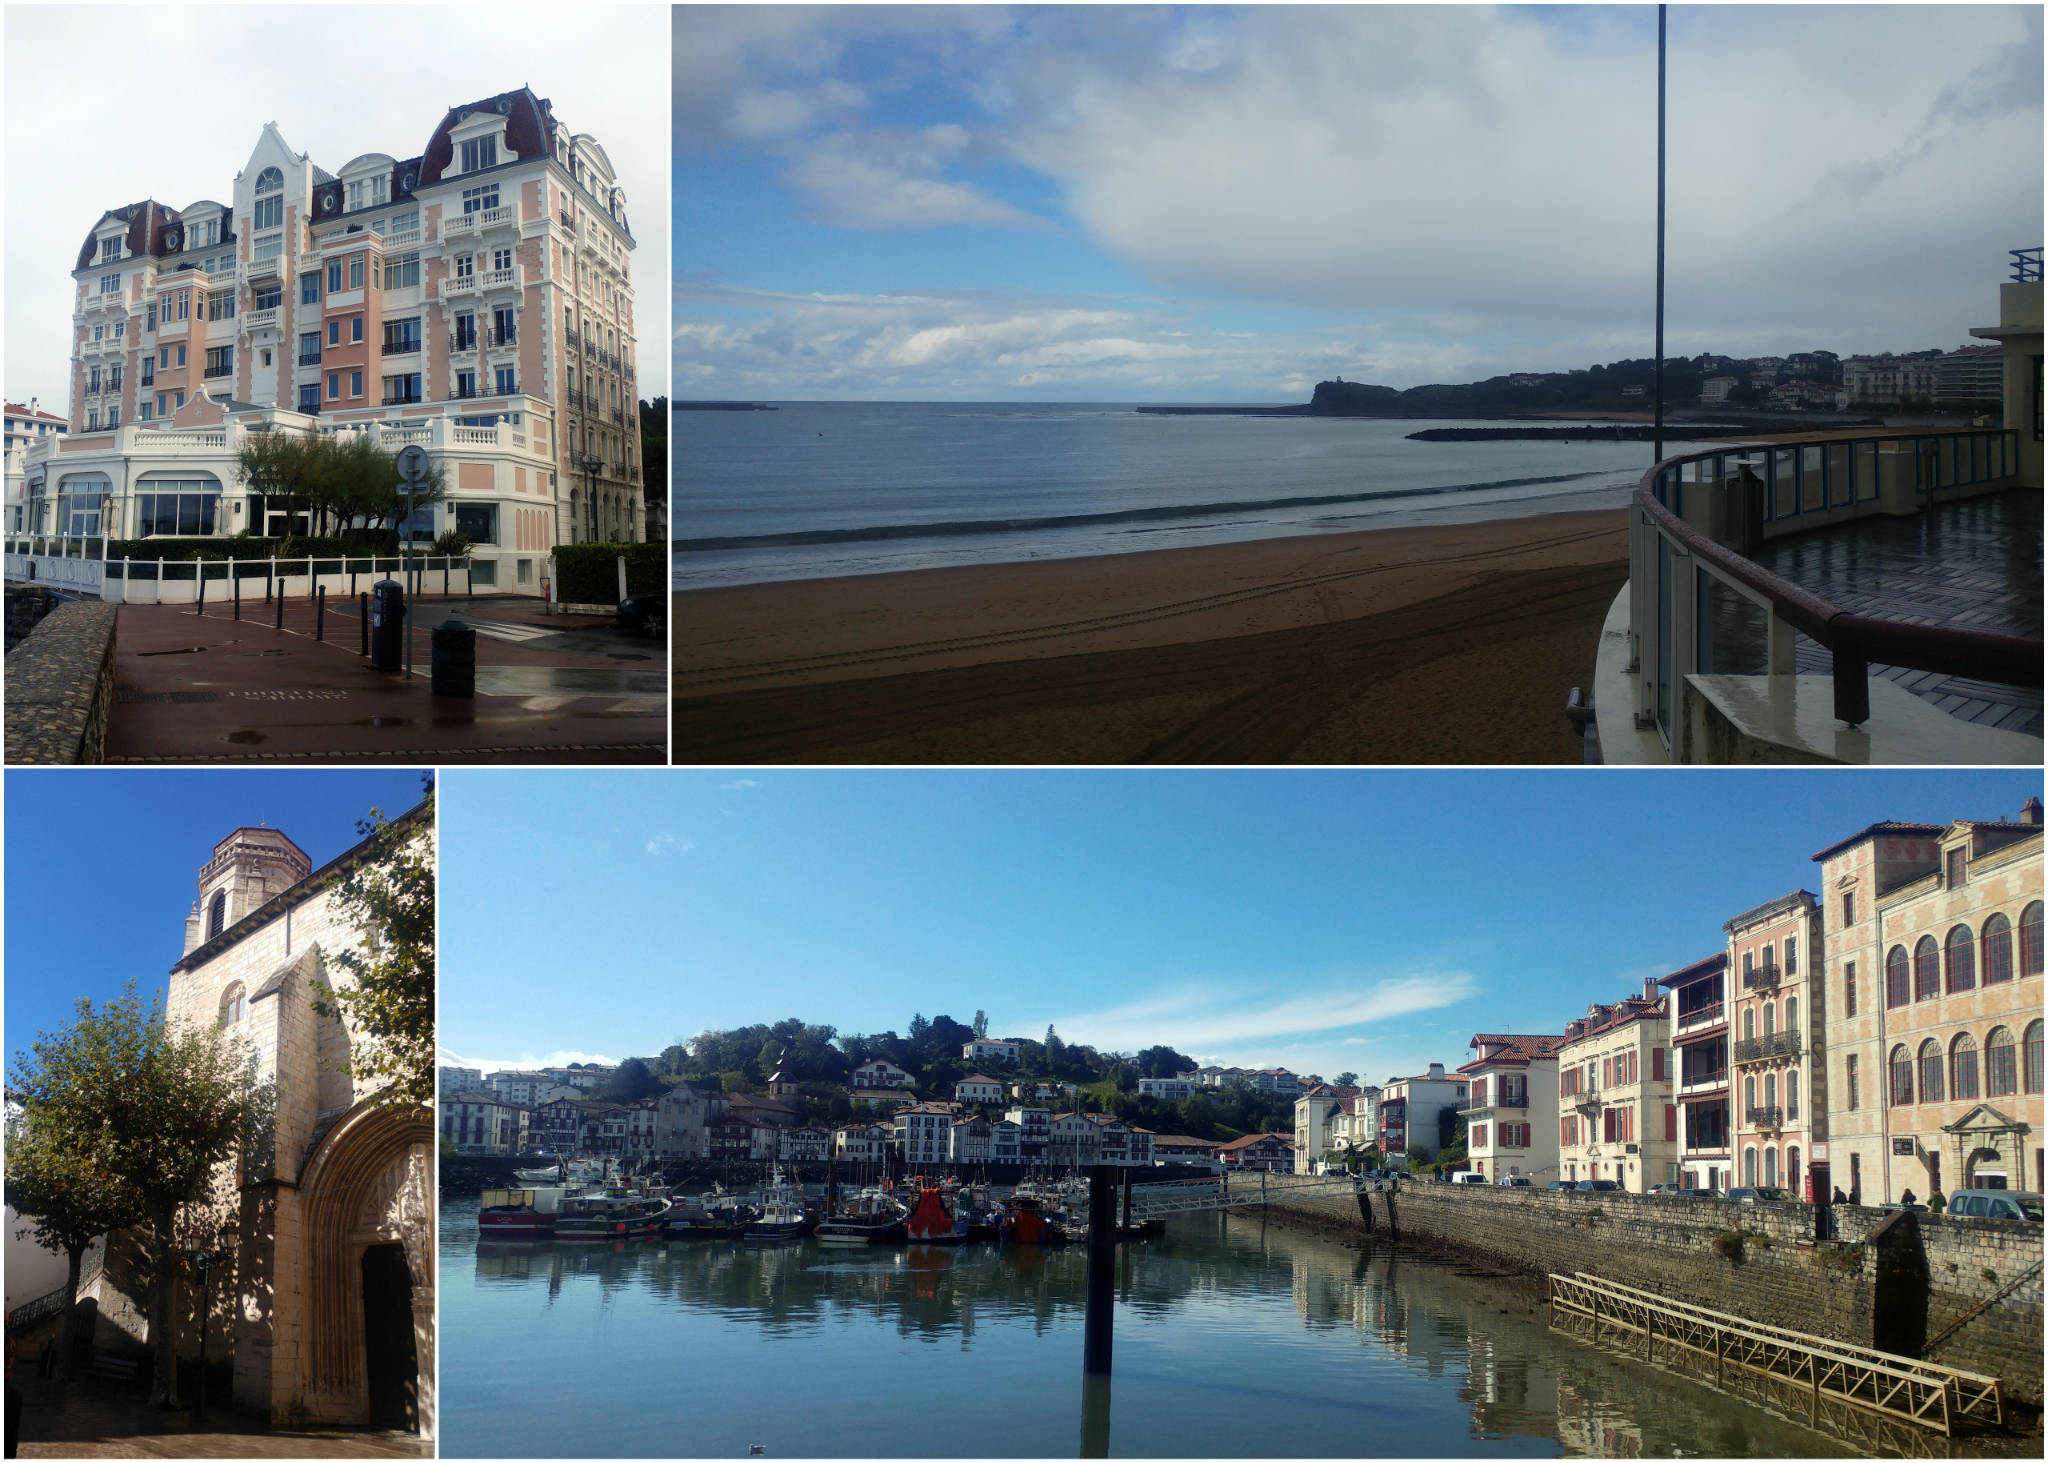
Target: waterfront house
[1175, 1149]
[1119, 1143]
[983, 1052]
[1005, 1142]
[641, 1119]
[1511, 1107]
[1699, 1044]
[528, 1089]
[967, 1140]
[480, 1123]
[1034, 1131]
[1314, 1114]
[923, 1133]
[881, 1074]
[1169, 1089]
[861, 1143]
[1278, 1082]
[1027, 1092]
[1270, 1152]
[1618, 1115]
[803, 1145]
[1933, 999]
[558, 1126]
[1411, 1111]
[1072, 1141]
[1777, 1044]
[976, 1088]
[680, 1117]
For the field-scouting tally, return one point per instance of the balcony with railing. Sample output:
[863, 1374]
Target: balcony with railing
[214, 373]
[1761, 978]
[1766, 1119]
[1702, 1018]
[1713, 653]
[1777, 1047]
[1702, 1080]
[496, 339]
[404, 238]
[574, 398]
[404, 345]
[309, 360]
[571, 337]
[499, 279]
[458, 226]
[262, 271]
[265, 319]
[461, 340]
[505, 216]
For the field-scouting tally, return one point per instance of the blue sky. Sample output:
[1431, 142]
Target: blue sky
[1368, 920]
[103, 866]
[1231, 202]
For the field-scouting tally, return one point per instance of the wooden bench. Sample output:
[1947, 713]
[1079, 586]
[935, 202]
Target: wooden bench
[113, 1368]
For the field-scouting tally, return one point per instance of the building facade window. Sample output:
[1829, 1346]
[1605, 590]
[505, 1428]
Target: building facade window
[1961, 960]
[506, 382]
[1931, 1089]
[2030, 939]
[477, 200]
[1849, 1073]
[309, 288]
[2001, 1073]
[1997, 944]
[402, 272]
[1926, 969]
[217, 914]
[1849, 988]
[1954, 874]
[478, 153]
[2030, 1058]
[234, 1001]
[1902, 1077]
[1897, 984]
[1962, 1067]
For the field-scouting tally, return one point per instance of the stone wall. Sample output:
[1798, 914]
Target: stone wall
[1891, 1280]
[60, 687]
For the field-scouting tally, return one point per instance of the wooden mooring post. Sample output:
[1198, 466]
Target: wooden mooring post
[1098, 1334]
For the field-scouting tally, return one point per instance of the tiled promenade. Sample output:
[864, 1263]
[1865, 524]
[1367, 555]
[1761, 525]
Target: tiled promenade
[1973, 565]
[95, 1420]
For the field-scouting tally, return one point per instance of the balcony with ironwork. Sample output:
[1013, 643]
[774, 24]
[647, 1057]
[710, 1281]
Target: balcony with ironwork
[571, 337]
[1764, 1119]
[404, 345]
[1776, 1047]
[1761, 978]
[574, 399]
[619, 416]
[462, 341]
[1849, 597]
[496, 339]
[402, 398]
[214, 373]
[309, 360]
[1702, 1018]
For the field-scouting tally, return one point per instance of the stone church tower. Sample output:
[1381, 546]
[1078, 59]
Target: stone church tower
[780, 1084]
[332, 1286]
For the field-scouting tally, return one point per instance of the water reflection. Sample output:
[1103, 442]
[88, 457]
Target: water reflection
[1233, 1338]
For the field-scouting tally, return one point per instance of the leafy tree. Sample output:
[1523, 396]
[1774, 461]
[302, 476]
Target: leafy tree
[388, 895]
[632, 1080]
[1055, 1052]
[68, 1198]
[1347, 1079]
[342, 478]
[160, 1107]
[981, 1025]
[1164, 1061]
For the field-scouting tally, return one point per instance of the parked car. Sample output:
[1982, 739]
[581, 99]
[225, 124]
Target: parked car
[1518, 1181]
[1760, 1194]
[1468, 1177]
[1565, 1184]
[1996, 1204]
[1668, 1189]
[644, 614]
[1596, 1186]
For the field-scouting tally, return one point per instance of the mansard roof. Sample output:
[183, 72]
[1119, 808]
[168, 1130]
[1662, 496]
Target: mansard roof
[529, 130]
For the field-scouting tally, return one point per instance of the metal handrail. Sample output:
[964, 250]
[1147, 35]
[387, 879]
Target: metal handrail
[1854, 640]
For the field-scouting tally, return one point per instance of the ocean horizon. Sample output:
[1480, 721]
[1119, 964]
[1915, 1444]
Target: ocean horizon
[826, 489]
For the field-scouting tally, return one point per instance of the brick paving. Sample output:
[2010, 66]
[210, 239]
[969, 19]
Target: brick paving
[1974, 565]
[99, 1420]
[209, 688]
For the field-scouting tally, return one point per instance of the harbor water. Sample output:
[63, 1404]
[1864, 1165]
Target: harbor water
[816, 489]
[1233, 1338]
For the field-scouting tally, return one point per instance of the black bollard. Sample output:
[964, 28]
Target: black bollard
[1094, 1417]
[1100, 1324]
[266, 587]
[199, 599]
[363, 618]
[320, 613]
[238, 596]
[280, 606]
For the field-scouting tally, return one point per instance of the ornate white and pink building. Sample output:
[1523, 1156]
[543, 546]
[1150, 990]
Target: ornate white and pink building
[476, 299]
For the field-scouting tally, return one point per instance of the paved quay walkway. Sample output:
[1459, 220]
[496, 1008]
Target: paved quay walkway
[209, 688]
[94, 1420]
[1972, 565]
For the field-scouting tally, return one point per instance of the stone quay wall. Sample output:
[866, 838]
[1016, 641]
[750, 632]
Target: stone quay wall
[60, 687]
[1965, 1292]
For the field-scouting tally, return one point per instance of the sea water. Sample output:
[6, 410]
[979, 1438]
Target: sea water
[812, 490]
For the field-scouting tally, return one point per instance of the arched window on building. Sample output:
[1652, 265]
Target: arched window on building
[217, 913]
[1997, 942]
[1792, 1096]
[1749, 1023]
[1792, 1170]
[1962, 960]
[1931, 1087]
[1749, 1167]
[234, 1005]
[270, 180]
[1770, 1019]
[1770, 1089]
[2030, 1058]
[1749, 1093]
[1770, 1165]
[1962, 1067]
[2030, 939]
[1897, 989]
[1926, 969]
[1902, 1077]
[2001, 1076]
[1791, 1013]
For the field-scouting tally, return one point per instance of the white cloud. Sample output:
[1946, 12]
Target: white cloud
[739, 784]
[1199, 1018]
[525, 1061]
[666, 843]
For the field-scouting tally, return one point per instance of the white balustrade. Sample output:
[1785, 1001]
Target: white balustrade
[501, 278]
[492, 218]
[453, 225]
[260, 319]
[403, 238]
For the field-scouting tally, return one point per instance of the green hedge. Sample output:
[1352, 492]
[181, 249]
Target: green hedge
[360, 543]
[589, 573]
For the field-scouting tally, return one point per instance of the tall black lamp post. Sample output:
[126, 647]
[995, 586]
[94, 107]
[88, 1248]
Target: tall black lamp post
[591, 467]
[205, 1261]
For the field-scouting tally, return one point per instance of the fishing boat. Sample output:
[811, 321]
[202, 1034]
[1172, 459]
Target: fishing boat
[716, 1215]
[520, 1214]
[614, 1213]
[931, 1222]
[782, 1213]
[871, 1217]
[1027, 1221]
[549, 1175]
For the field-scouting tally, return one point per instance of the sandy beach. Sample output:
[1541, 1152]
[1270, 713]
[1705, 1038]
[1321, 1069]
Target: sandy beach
[1453, 644]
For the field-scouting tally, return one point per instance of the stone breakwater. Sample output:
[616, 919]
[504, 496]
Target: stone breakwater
[1964, 1292]
[60, 687]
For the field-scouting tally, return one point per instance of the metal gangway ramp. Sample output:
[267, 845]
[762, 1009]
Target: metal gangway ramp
[1839, 1377]
[1227, 1191]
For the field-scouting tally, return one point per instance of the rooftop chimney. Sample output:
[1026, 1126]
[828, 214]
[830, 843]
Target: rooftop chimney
[1650, 991]
[2030, 812]
[1436, 1070]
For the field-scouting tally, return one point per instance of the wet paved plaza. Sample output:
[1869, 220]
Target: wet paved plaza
[1971, 565]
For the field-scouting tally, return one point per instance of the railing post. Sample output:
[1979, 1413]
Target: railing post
[363, 618]
[1852, 682]
[320, 613]
[1779, 648]
[235, 581]
[280, 601]
[199, 598]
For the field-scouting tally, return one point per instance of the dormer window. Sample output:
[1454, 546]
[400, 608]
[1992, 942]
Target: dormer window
[110, 249]
[478, 153]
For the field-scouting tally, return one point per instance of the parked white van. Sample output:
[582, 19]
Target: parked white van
[1996, 1204]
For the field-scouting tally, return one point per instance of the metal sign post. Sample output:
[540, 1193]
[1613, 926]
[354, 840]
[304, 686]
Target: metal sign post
[412, 475]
